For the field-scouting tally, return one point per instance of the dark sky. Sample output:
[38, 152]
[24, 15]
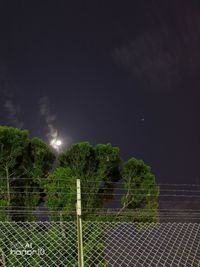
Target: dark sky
[124, 72]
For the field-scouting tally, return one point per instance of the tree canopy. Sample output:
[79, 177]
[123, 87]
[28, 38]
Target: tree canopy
[99, 168]
[96, 167]
[26, 170]
[141, 190]
[24, 162]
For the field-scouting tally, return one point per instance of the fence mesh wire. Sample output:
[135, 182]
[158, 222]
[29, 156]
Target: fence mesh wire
[42, 244]
[49, 244]
[142, 245]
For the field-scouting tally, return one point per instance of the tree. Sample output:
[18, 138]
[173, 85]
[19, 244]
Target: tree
[96, 167]
[141, 191]
[25, 166]
[61, 189]
[24, 162]
[99, 168]
[12, 146]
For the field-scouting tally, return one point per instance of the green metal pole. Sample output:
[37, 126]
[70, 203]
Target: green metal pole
[79, 225]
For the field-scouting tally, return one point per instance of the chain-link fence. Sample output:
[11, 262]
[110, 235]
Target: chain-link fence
[44, 244]
[90, 236]
[53, 244]
[141, 245]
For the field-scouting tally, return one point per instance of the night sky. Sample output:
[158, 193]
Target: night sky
[123, 72]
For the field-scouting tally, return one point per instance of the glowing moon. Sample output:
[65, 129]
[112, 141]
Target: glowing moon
[56, 143]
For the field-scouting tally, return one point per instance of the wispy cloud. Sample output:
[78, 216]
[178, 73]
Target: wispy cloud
[166, 55]
[13, 112]
[12, 109]
[149, 62]
[50, 118]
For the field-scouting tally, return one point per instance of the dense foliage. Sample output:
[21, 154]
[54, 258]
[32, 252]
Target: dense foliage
[141, 191]
[24, 162]
[26, 170]
[96, 167]
[99, 168]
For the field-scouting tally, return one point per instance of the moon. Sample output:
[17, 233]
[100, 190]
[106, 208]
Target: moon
[56, 143]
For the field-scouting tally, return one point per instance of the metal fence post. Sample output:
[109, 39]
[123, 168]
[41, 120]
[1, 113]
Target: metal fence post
[79, 225]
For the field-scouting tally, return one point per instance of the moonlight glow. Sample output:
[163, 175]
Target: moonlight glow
[56, 143]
